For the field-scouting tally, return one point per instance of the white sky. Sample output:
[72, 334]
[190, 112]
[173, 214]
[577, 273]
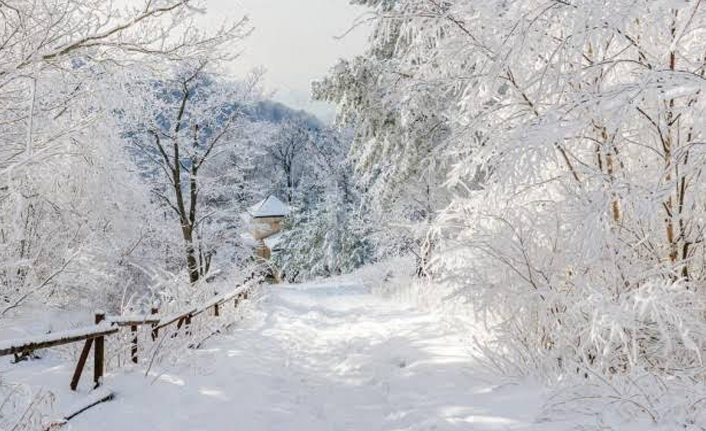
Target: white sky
[295, 41]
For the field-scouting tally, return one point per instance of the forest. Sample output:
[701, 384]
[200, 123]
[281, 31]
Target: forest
[518, 182]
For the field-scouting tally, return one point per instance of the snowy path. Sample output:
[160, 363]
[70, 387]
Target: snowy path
[322, 358]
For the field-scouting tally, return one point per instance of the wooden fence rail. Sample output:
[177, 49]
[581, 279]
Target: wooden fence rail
[94, 336]
[16, 347]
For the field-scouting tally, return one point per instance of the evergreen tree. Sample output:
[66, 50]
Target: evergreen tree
[326, 233]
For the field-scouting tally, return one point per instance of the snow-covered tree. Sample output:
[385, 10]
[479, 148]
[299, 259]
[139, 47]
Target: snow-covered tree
[573, 135]
[327, 232]
[287, 153]
[189, 120]
[67, 195]
[397, 153]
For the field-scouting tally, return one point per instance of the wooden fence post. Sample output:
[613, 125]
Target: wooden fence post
[99, 352]
[81, 363]
[187, 323]
[180, 323]
[155, 331]
[94, 336]
[133, 350]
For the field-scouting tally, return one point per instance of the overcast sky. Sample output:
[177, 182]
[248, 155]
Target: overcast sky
[295, 41]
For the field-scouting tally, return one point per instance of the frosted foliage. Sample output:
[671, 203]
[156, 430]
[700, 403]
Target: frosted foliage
[327, 232]
[191, 139]
[397, 154]
[575, 141]
[76, 223]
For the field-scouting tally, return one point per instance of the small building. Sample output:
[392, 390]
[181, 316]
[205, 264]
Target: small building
[267, 218]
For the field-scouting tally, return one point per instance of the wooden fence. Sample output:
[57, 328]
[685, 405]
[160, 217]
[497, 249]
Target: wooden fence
[94, 336]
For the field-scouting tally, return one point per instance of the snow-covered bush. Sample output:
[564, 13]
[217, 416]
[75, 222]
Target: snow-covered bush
[173, 296]
[24, 409]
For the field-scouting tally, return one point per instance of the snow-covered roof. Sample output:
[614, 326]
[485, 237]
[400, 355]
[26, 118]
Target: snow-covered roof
[269, 207]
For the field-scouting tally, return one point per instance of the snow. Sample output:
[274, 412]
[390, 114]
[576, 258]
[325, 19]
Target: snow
[269, 207]
[311, 357]
[40, 319]
[127, 318]
[218, 299]
[98, 396]
[54, 336]
[273, 241]
[248, 240]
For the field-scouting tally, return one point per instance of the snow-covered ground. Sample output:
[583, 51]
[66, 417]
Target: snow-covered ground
[312, 357]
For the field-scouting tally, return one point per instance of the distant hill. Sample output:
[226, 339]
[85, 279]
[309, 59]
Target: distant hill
[266, 111]
[276, 112]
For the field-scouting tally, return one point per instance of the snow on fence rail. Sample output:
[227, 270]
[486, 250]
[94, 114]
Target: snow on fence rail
[23, 345]
[94, 336]
[133, 320]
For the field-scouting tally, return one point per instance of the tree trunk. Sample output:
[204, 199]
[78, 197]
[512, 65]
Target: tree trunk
[191, 262]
